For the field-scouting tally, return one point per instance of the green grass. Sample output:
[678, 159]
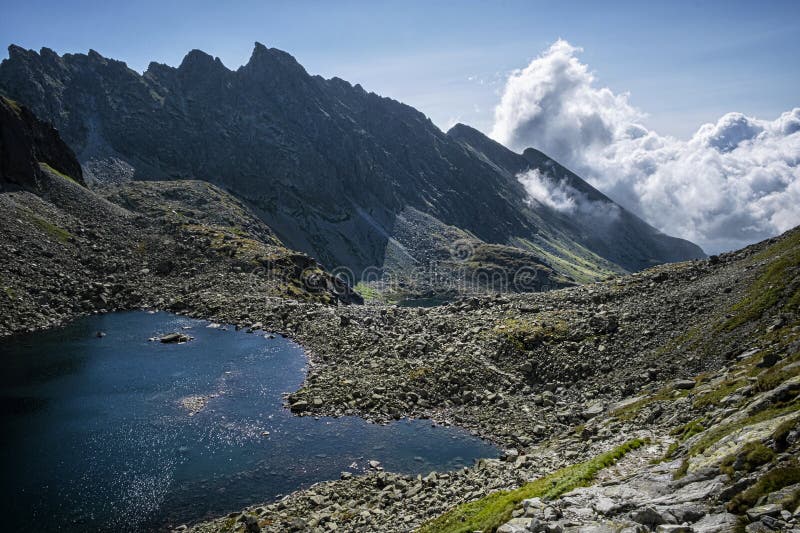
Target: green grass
[718, 432]
[45, 166]
[773, 377]
[715, 395]
[527, 334]
[580, 265]
[681, 471]
[781, 432]
[772, 286]
[684, 432]
[59, 234]
[368, 292]
[689, 430]
[13, 105]
[630, 411]
[492, 511]
[792, 501]
[751, 456]
[667, 454]
[775, 479]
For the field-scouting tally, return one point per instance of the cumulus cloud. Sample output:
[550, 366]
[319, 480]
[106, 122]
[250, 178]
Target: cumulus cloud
[734, 182]
[559, 195]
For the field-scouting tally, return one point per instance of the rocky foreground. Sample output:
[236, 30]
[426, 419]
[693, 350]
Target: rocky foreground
[686, 374]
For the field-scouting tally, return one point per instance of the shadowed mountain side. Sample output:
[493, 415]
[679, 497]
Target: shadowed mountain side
[624, 238]
[326, 164]
[67, 250]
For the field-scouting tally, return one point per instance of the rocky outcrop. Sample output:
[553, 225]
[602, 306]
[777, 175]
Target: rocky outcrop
[27, 145]
[330, 167]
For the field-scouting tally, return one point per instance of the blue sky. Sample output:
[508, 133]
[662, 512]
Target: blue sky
[683, 63]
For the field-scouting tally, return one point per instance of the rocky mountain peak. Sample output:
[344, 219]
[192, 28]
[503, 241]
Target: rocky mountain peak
[95, 55]
[18, 53]
[533, 155]
[158, 70]
[198, 59]
[461, 130]
[49, 53]
[272, 59]
[198, 66]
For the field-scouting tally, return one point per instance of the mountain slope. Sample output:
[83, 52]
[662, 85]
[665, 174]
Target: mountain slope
[625, 239]
[66, 250]
[327, 165]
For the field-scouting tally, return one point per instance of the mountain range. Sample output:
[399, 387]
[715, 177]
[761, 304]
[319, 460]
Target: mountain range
[344, 175]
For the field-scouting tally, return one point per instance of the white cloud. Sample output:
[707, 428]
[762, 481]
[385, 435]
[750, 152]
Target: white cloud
[733, 183]
[559, 195]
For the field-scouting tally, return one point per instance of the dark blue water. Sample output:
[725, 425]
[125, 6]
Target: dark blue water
[95, 435]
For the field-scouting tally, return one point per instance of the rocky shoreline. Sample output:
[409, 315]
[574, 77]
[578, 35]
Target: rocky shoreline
[557, 378]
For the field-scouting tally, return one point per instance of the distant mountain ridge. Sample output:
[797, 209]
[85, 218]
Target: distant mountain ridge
[327, 165]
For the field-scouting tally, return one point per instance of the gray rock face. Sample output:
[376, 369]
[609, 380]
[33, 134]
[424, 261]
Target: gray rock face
[66, 249]
[328, 165]
[29, 147]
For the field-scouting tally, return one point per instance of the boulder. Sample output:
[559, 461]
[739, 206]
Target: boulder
[175, 338]
[647, 516]
[299, 406]
[250, 524]
[593, 410]
[716, 523]
[770, 509]
[683, 384]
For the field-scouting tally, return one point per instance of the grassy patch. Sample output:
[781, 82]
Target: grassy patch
[629, 411]
[419, 373]
[792, 501]
[681, 471]
[775, 479]
[228, 242]
[715, 395]
[772, 287]
[527, 334]
[59, 234]
[773, 377]
[578, 264]
[368, 292]
[718, 432]
[12, 104]
[684, 432]
[689, 430]
[667, 454]
[781, 432]
[490, 512]
[45, 166]
[751, 456]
